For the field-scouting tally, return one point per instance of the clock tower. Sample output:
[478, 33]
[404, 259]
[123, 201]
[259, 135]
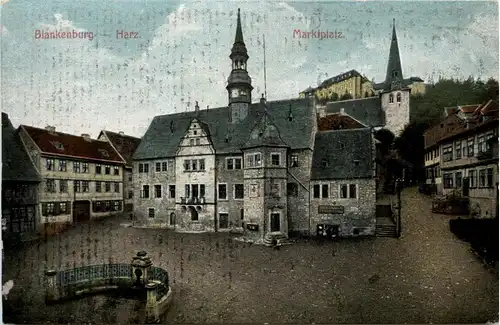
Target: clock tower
[239, 83]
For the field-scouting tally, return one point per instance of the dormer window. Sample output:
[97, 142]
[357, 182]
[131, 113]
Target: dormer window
[104, 152]
[324, 163]
[58, 145]
[391, 98]
[194, 132]
[398, 98]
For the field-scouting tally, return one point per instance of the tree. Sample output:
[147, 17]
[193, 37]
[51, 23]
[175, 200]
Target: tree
[346, 96]
[410, 147]
[386, 138]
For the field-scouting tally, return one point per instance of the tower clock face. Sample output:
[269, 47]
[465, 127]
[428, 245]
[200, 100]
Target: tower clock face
[235, 93]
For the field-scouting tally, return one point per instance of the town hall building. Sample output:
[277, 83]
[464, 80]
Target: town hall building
[258, 167]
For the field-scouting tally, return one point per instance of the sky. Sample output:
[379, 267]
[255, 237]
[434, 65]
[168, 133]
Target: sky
[85, 85]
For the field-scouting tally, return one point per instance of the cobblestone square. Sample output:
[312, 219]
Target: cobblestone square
[427, 276]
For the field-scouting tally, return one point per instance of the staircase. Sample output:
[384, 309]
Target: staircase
[386, 230]
[276, 239]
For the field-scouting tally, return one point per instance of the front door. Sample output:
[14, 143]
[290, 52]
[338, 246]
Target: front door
[275, 222]
[465, 187]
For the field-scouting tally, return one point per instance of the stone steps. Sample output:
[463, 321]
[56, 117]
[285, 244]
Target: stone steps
[276, 239]
[386, 231]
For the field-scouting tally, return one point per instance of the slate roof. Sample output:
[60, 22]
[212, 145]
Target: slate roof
[124, 144]
[16, 164]
[165, 131]
[63, 144]
[366, 110]
[338, 122]
[265, 133]
[347, 153]
[339, 78]
[406, 82]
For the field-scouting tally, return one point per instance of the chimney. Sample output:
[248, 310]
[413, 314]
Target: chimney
[196, 108]
[86, 136]
[121, 133]
[50, 128]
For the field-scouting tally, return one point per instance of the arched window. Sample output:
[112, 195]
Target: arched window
[391, 98]
[394, 73]
[398, 97]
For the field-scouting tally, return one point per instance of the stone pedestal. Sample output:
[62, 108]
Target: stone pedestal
[141, 264]
[152, 311]
[52, 290]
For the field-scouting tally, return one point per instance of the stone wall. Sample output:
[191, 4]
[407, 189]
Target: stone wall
[397, 115]
[233, 207]
[298, 206]
[359, 213]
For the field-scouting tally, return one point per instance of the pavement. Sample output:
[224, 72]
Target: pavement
[426, 276]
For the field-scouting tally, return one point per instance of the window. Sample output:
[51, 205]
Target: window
[108, 205]
[194, 190]
[222, 192]
[77, 186]
[223, 220]
[481, 144]
[198, 141]
[353, 191]
[398, 98]
[171, 191]
[116, 170]
[238, 191]
[275, 189]
[164, 166]
[62, 165]
[62, 207]
[130, 194]
[187, 165]
[49, 209]
[447, 153]
[107, 170]
[50, 164]
[117, 206]
[144, 168]
[488, 141]
[202, 190]
[448, 180]
[98, 169]
[76, 167]
[324, 163]
[63, 186]
[470, 147]
[275, 159]
[151, 212]
[158, 167]
[294, 161]
[316, 191]
[85, 186]
[472, 178]
[482, 178]
[145, 192]
[157, 191]
[324, 191]
[107, 186]
[233, 163]
[458, 150]
[191, 142]
[292, 189]
[50, 186]
[253, 160]
[202, 164]
[458, 179]
[343, 191]
[489, 177]
[130, 177]
[85, 167]
[391, 98]
[117, 187]
[187, 190]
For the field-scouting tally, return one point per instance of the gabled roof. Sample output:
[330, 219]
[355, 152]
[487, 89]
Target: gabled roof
[338, 122]
[264, 134]
[366, 110]
[16, 164]
[68, 145]
[405, 83]
[124, 144]
[342, 154]
[165, 131]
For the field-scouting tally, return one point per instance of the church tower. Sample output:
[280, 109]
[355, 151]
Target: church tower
[395, 96]
[239, 83]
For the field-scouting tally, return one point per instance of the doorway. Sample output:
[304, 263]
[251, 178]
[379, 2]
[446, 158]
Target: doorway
[81, 211]
[275, 221]
[194, 214]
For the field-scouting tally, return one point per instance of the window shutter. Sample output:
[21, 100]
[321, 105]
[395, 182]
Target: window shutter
[57, 208]
[44, 209]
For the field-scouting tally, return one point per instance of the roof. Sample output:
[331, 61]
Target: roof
[165, 131]
[16, 164]
[63, 144]
[478, 127]
[124, 144]
[339, 78]
[435, 133]
[366, 110]
[265, 133]
[406, 82]
[337, 122]
[343, 154]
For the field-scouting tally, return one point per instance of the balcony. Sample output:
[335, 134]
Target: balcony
[192, 200]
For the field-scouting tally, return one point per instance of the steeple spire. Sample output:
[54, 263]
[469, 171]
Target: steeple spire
[394, 71]
[239, 33]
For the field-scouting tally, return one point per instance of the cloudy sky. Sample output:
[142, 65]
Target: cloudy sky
[182, 55]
